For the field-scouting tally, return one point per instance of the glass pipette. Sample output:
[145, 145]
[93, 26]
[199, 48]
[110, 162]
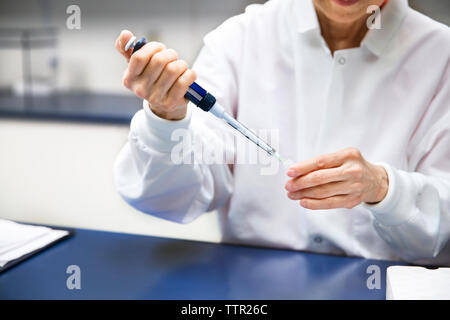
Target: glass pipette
[207, 102]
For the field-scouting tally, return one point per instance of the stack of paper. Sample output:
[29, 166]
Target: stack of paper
[417, 283]
[17, 240]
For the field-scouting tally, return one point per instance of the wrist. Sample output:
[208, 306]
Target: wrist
[382, 182]
[178, 113]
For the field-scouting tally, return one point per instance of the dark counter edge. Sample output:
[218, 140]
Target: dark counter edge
[72, 106]
[91, 119]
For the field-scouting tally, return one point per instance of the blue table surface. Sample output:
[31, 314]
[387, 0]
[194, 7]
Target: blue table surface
[124, 266]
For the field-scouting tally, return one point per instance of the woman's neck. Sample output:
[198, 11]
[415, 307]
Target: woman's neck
[339, 36]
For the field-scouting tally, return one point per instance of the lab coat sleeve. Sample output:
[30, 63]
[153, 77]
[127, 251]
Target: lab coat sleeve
[162, 169]
[414, 217]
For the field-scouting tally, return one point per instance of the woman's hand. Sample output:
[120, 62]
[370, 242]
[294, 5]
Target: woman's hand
[338, 180]
[154, 73]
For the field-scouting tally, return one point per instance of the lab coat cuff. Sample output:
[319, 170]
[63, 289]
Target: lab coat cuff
[158, 133]
[392, 210]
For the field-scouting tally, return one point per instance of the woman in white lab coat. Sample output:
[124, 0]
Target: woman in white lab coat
[359, 99]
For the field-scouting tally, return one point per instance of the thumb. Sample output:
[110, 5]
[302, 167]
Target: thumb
[121, 41]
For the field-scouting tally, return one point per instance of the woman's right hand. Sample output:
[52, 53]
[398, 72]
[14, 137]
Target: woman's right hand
[156, 74]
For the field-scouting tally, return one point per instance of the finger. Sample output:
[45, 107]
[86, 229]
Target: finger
[157, 64]
[340, 201]
[170, 74]
[321, 192]
[141, 58]
[121, 41]
[321, 162]
[181, 85]
[316, 178]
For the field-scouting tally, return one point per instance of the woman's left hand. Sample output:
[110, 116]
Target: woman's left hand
[339, 180]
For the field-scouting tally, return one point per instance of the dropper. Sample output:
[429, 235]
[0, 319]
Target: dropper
[207, 102]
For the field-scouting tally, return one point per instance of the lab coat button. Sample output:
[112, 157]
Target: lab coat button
[342, 60]
[318, 239]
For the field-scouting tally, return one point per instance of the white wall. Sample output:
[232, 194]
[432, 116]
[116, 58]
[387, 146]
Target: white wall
[61, 174]
[88, 60]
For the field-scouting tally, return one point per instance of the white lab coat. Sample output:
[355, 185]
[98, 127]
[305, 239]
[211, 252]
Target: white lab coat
[271, 69]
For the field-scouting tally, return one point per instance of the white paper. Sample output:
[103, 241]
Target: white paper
[17, 240]
[417, 283]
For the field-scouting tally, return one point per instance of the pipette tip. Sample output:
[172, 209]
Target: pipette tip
[286, 162]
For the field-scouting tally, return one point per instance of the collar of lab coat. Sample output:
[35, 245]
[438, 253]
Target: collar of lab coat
[376, 40]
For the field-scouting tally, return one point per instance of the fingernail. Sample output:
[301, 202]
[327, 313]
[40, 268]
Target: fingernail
[288, 186]
[304, 203]
[291, 172]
